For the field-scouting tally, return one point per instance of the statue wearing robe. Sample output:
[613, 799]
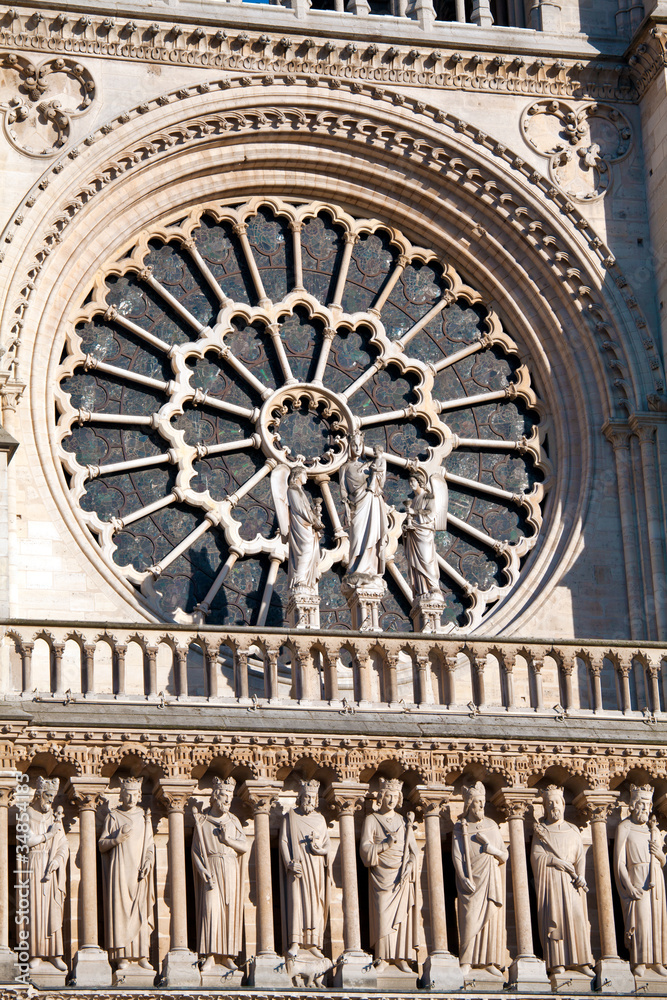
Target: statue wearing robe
[219, 846]
[48, 851]
[368, 524]
[304, 535]
[389, 851]
[304, 849]
[479, 857]
[638, 866]
[128, 853]
[558, 862]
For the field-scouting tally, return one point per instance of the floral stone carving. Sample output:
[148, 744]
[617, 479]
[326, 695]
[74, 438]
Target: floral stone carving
[39, 102]
[220, 347]
[582, 144]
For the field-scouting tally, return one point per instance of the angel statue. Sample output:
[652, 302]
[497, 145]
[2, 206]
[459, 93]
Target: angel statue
[361, 489]
[426, 514]
[300, 521]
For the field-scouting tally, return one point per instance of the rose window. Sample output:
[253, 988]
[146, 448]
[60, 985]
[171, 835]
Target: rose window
[222, 343]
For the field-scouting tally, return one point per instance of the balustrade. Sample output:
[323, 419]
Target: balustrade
[416, 672]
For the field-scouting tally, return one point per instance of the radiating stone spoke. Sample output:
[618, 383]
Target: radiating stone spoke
[113, 315]
[205, 606]
[124, 419]
[495, 444]
[229, 446]
[145, 462]
[454, 575]
[388, 417]
[147, 275]
[241, 370]
[482, 487]
[122, 522]
[201, 398]
[434, 311]
[184, 545]
[269, 586]
[124, 373]
[462, 402]
[465, 352]
[403, 584]
[481, 536]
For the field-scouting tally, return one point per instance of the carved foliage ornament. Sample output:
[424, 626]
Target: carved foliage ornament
[39, 101]
[581, 143]
[227, 341]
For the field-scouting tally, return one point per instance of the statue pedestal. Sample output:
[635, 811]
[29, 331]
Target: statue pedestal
[134, 977]
[614, 976]
[363, 600]
[269, 970]
[9, 966]
[427, 612]
[442, 972]
[303, 608]
[47, 977]
[529, 975]
[650, 983]
[392, 980]
[573, 982]
[483, 981]
[219, 978]
[181, 968]
[354, 971]
[91, 967]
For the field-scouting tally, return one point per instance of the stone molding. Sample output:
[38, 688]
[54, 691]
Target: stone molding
[181, 755]
[276, 53]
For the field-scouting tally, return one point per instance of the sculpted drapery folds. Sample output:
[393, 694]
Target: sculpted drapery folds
[361, 488]
[305, 525]
[479, 857]
[639, 860]
[219, 846]
[426, 514]
[558, 861]
[389, 850]
[128, 856]
[46, 874]
[305, 849]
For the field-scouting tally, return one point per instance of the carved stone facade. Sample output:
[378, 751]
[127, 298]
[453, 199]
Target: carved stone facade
[333, 573]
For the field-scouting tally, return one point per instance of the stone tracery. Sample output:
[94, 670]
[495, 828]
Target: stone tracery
[204, 358]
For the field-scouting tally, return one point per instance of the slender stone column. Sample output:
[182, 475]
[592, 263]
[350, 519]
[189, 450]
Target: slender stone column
[645, 427]
[441, 969]
[618, 434]
[8, 969]
[268, 969]
[613, 974]
[527, 972]
[90, 967]
[355, 967]
[180, 967]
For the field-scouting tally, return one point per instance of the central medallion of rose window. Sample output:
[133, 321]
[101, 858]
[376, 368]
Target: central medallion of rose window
[226, 341]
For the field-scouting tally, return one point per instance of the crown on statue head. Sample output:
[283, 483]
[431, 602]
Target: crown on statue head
[553, 791]
[130, 784]
[220, 783]
[473, 790]
[641, 793]
[391, 785]
[47, 785]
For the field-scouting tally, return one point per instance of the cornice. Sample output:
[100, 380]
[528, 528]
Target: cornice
[647, 55]
[186, 756]
[495, 66]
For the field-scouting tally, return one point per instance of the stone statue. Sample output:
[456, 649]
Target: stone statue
[639, 860]
[388, 848]
[479, 854]
[219, 847]
[305, 527]
[304, 849]
[425, 515]
[366, 512]
[48, 851]
[558, 861]
[128, 853]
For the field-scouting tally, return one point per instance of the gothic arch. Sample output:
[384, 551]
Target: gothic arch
[505, 226]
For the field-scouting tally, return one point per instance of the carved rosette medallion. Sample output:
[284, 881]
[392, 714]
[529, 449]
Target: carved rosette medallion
[228, 340]
[581, 143]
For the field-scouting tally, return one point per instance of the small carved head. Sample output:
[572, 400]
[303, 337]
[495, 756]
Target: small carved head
[45, 791]
[223, 793]
[641, 800]
[418, 478]
[553, 798]
[356, 444]
[390, 793]
[130, 791]
[474, 799]
[308, 796]
[297, 476]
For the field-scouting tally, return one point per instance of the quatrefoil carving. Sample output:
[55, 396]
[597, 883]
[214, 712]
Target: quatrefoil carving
[39, 102]
[581, 144]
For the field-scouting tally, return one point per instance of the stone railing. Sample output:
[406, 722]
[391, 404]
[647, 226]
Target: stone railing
[69, 662]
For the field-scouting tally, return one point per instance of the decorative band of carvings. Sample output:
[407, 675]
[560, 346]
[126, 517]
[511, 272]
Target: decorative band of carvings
[180, 754]
[263, 53]
[209, 126]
